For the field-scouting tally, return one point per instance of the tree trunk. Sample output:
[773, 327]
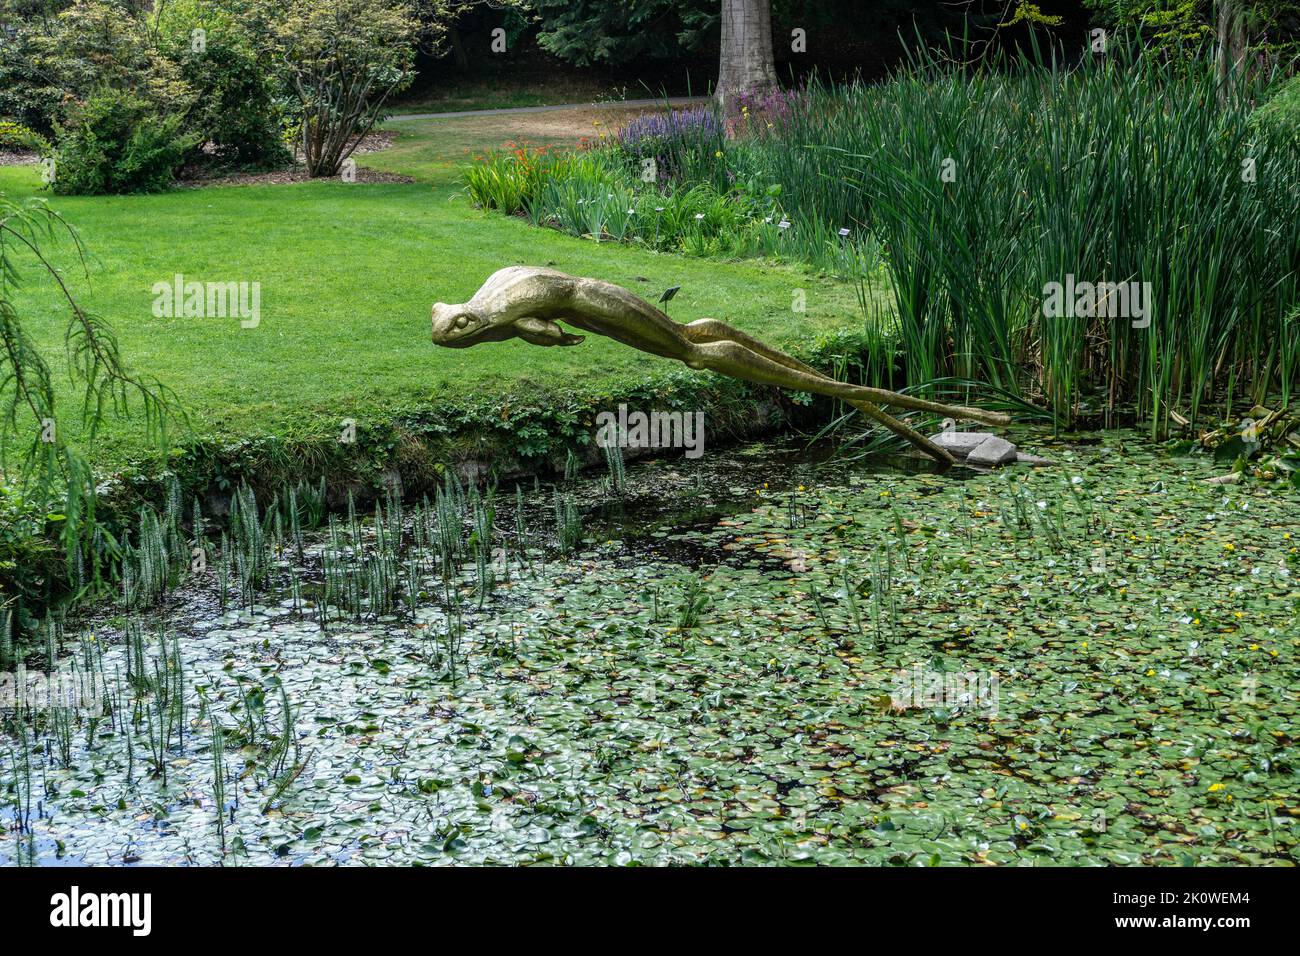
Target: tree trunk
[746, 65]
[1230, 46]
[458, 49]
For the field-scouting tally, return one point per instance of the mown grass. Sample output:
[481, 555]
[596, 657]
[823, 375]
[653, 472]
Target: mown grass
[348, 274]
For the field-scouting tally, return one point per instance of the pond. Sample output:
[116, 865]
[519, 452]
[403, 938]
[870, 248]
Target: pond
[769, 658]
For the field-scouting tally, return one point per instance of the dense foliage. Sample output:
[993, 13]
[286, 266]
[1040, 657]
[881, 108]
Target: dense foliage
[17, 137]
[343, 61]
[238, 107]
[586, 32]
[203, 81]
[843, 33]
[1271, 25]
[114, 142]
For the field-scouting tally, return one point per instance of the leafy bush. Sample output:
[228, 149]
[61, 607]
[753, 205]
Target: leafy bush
[22, 87]
[93, 45]
[115, 103]
[1271, 27]
[16, 137]
[205, 60]
[587, 32]
[236, 111]
[116, 142]
[1281, 113]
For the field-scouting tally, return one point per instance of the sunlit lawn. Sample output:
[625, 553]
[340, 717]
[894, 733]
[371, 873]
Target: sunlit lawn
[348, 273]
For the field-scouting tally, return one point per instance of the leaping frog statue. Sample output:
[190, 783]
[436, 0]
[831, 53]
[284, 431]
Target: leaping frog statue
[524, 302]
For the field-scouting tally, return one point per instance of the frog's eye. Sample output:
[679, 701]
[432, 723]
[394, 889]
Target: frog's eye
[462, 321]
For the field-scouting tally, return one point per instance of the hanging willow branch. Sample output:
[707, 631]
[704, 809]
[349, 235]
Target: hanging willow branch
[29, 414]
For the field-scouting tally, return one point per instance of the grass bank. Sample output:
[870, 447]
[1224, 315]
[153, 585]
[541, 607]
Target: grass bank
[348, 273]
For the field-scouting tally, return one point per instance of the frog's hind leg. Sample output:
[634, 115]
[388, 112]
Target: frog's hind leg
[720, 348]
[712, 330]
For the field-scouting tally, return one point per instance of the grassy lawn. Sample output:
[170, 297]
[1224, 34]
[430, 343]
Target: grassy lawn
[348, 273]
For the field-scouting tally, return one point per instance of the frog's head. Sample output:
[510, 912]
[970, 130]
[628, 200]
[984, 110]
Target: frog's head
[458, 326]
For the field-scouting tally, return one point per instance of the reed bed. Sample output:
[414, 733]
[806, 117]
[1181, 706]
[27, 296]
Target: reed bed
[984, 188]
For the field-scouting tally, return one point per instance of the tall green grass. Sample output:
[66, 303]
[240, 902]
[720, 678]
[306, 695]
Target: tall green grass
[596, 195]
[1126, 168]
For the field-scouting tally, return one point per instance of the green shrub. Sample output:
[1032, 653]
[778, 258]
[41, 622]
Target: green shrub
[235, 111]
[30, 562]
[23, 96]
[93, 45]
[341, 61]
[116, 142]
[1281, 112]
[18, 138]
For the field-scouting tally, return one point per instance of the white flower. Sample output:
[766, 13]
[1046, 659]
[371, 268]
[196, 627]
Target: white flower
[699, 215]
[783, 224]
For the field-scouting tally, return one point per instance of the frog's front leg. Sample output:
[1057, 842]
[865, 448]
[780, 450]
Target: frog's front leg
[536, 331]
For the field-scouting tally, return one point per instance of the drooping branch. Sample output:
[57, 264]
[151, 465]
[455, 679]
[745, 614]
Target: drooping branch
[49, 466]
